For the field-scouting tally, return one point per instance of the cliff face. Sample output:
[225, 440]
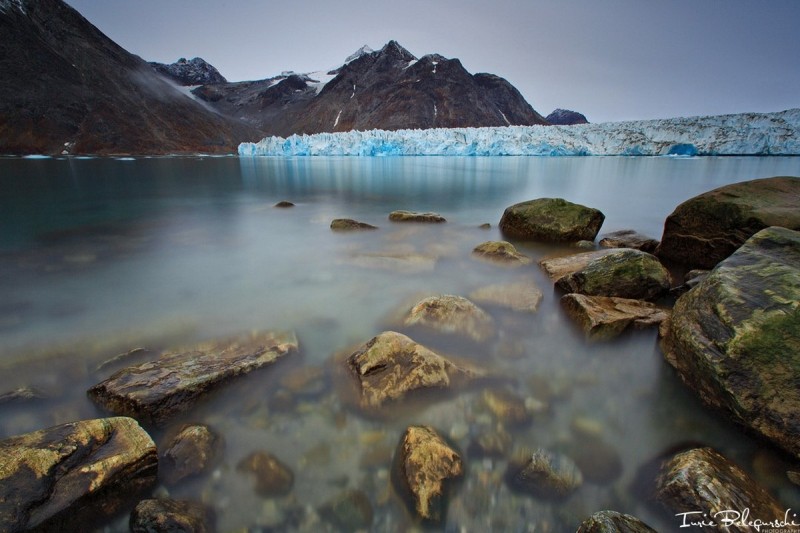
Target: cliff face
[67, 87]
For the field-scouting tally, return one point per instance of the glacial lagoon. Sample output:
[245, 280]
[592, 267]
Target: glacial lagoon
[105, 257]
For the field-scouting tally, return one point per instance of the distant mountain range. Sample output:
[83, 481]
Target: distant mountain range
[67, 88]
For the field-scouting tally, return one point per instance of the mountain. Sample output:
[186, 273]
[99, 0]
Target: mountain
[742, 134]
[386, 89]
[565, 117]
[193, 72]
[65, 86]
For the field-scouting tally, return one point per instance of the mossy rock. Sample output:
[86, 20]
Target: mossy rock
[735, 337]
[706, 229]
[551, 219]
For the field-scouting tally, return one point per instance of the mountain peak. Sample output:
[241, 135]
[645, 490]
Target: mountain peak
[195, 71]
[364, 50]
[394, 49]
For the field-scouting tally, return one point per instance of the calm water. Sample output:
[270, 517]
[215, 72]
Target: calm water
[99, 256]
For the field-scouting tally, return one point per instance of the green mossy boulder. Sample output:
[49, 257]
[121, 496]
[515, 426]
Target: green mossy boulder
[551, 219]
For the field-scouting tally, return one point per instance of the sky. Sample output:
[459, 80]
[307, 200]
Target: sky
[609, 59]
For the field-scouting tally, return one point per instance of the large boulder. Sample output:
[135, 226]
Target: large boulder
[426, 463]
[452, 314]
[157, 390]
[624, 273]
[706, 229]
[613, 522]
[551, 219]
[735, 338]
[66, 477]
[390, 366]
[703, 480]
[605, 317]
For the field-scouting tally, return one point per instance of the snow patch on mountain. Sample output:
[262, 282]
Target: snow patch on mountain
[7, 5]
[740, 134]
[364, 50]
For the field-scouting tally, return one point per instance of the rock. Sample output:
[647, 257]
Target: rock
[284, 203]
[411, 216]
[506, 406]
[706, 229]
[585, 245]
[613, 522]
[490, 443]
[157, 390]
[690, 280]
[452, 314]
[349, 510]
[543, 474]
[625, 273]
[500, 252]
[485, 225]
[402, 262]
[702, 479]
[66, 477]
[21, 394]
[192, 451]
[348, 224]
[521, 296]
[628, 238]
[598, 461]
[605, 317]
[426, 464]
[273, 478]
[565, 117]
[192, 72]
[551, 219]
[735, 338]
[165, 515]
[391, 365]
[794, 477]
[558, 267]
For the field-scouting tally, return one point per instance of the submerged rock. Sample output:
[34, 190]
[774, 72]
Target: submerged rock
[605, 317]
[625, 273]
[522, 296]
[551, 219]
[702, 479]
[273, 478]
[72, 475]
[500, 252]
[490, 443]
[411, 216]
[284, 203]
[735, 338]
[349, 510]
[426, 464]
[598, 461]
[192, 451]
[507, 407]
[452, 314]
[391, 365]
[558, 267]
[172, 515]
[543, 474]
[613, 522]
[402, 262]
[628, 238]
[21, 394]
[157, 390]
[706, 229]
[348, 224]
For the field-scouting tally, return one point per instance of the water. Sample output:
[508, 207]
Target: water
[99, 256]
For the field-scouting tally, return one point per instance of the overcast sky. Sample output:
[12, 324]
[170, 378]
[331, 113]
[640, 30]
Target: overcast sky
[610, 59]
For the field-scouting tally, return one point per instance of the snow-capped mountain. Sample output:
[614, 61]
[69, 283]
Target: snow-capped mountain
[192, 72]
[389, 89]
[741, 134]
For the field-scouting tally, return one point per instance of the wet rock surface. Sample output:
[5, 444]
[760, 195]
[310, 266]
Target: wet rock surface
[521, 296]
[543, 474]
[272, 477]
[390, 366]
[735, 338]
[605, 317]
[426, 465]
[558, 267]
[702, 479]
[73, 474]
[501, 252]
[706, 229]
[348, 224]
[625, 273]
[628, 238]
[613, 522]
[412, 216]
[452, 314]
[349, 510]
[166, 515]
[551, 219]
[155, 391]
[192, 451]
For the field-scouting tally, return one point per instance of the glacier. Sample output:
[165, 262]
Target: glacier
[736, 134]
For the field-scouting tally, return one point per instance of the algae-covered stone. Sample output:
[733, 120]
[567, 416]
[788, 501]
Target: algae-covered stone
[543, 474]
[706, 229]
[172, 516]
[500, 252]
[628, 238]
[613, 522]
[412, 216]
[551, 219]
[625, 273]
[702, 479]
[72, 475]
[190, 452]
[522, 296]
[735, 338]
[157, 390]
[273, 478]
[426, 464]
[452, 314]
[391, 365]
[605, 317]
[348, 224]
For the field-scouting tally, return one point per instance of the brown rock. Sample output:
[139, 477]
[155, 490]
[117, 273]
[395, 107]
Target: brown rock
[507, 406]
[558, 267]
[452, 314]
[629, 238]
[192, 451]
[273, 478]
[500, 252]
[543, 474]
[348, 224]
[172, 516]
[605, 317]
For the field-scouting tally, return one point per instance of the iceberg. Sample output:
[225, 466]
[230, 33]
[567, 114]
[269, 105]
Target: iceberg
[739, 134]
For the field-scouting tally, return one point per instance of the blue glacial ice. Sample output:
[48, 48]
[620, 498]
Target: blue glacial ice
[740, 134]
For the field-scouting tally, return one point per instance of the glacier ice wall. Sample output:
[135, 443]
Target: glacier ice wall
[740, 134]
